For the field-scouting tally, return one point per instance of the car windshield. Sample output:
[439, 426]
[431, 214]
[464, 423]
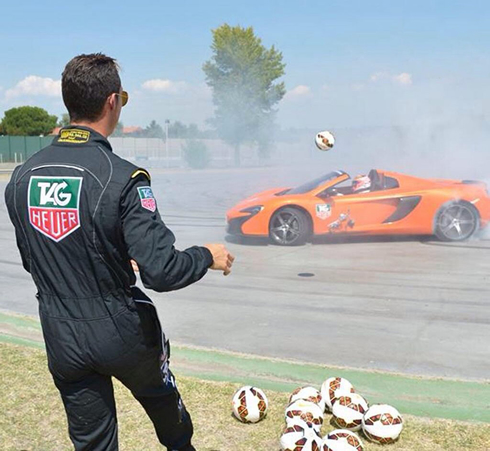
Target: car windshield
[311, 185]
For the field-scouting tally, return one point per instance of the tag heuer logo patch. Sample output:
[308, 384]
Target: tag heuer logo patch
[323, 211]
[147, 199]
[54, 205]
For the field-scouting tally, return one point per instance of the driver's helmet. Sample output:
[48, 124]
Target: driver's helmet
[361, 183]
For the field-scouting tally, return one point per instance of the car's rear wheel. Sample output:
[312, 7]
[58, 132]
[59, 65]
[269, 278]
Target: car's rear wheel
[457, 221]
[289, 227]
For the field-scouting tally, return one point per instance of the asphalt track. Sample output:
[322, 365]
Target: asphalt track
[409, 305]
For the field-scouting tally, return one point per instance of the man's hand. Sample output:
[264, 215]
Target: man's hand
[222, 259]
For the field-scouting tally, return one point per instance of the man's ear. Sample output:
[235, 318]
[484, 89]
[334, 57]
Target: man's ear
[112, 99]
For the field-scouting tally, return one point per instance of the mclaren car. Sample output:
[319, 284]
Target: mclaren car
[394, 204]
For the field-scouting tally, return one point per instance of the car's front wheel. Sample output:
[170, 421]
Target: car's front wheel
[289, 227]
[457, 221]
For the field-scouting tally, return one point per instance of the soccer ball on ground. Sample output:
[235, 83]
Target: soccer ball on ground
[342, 440]
[250, 404]
[324, 140]
[348, 411]
[309, 394]
[382, 423]
[306, 443]
[305, 410]
[334, 387]
[295, 432]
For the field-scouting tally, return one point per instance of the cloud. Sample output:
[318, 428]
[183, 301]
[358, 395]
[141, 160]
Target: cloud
[37, 86]
[298, 91]
[162, 85]
[379, 76]
[404, 79]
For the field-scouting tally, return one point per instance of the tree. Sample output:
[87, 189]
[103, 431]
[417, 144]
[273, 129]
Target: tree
[177, 130]
[28, 120]
[118, 131]
[196, 154]
[64, 121]
[154, 130]
[241, 74]
[181, 131]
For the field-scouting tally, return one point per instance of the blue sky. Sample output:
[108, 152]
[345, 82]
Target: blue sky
[349, 63]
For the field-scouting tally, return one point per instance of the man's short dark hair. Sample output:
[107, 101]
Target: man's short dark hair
[86, 83]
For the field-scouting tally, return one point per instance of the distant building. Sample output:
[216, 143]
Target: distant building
[132, 130]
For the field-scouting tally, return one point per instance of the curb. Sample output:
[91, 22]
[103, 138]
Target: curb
[434, 398]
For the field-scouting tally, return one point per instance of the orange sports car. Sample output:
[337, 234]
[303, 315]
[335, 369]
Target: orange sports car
[380, 203]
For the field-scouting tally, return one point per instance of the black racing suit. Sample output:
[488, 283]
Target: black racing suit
[81, 213]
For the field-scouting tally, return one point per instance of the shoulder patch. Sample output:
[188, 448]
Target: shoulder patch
[147, 198]
[74, 136]
[141, 171]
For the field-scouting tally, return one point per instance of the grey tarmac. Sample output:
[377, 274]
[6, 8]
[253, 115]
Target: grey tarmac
[408, 305]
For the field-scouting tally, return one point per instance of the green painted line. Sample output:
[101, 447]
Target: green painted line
[435, 398]
[21, 341]
[23, 322]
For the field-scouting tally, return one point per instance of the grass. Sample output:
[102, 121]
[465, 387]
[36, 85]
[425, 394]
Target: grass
[33, 416]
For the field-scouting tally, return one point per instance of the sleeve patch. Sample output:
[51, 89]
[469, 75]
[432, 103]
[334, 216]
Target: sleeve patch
[141, 171]
[147, 199]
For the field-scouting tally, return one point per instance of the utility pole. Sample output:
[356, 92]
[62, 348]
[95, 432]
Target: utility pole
[167, 122]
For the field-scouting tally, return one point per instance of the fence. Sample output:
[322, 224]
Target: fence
[153, 152]
[148, 151]
[19, 148]
[353, 146]
[356, 149]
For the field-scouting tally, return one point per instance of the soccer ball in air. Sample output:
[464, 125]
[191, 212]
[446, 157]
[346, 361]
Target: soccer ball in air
[342, 440]
[334, 387]
[305, 410]
[382, 423]
[324, 140]
[295, 432]
[348, 411]
[250, 404]
[309, 394]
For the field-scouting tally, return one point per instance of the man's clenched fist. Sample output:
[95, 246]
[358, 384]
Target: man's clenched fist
[222, 259]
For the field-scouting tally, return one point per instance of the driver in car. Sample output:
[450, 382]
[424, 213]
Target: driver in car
[361, 184]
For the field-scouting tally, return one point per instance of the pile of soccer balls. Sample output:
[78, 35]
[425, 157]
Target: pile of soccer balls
[304, 414]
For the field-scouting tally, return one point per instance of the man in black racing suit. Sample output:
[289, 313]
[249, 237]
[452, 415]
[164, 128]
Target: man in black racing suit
[81, 216]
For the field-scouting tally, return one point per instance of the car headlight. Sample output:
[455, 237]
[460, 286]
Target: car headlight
[253, 210]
